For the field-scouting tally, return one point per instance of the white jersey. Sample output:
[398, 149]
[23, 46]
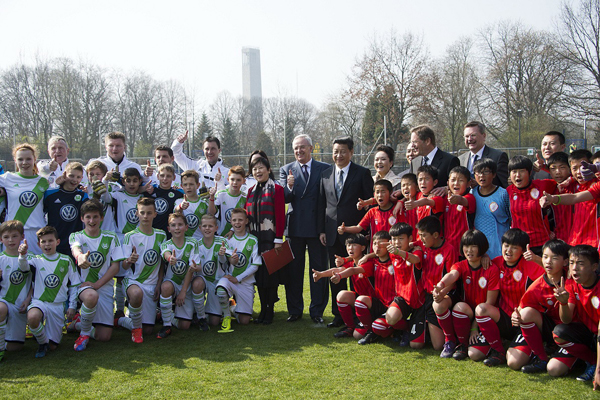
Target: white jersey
[146, 268]
[214, 266]
[104, 249]
[123, 165]
[225, 202]
[126, 210]
[193, 215]
[247, 250]
[184, 254]
[25, 196]
[56, 279]
[15, 282]
[206, 171]
[44, 168]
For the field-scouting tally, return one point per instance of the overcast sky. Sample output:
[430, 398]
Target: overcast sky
[307, 47]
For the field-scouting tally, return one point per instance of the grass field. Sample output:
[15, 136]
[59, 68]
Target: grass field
[283, 360]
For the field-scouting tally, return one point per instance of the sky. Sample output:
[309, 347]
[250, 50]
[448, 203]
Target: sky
[307, 48]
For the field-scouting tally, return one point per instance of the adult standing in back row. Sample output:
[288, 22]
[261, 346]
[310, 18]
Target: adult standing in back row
[423, 138]
[475, 136]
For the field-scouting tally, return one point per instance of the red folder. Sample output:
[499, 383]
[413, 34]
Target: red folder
[276, 259]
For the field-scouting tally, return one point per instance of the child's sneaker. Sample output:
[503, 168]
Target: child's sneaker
[226, 325]
[81, 342]
[72, 325]
[42, 350]
[28, 334]
[203, 325]
[164, 332]
[136, 335]
[588, 374]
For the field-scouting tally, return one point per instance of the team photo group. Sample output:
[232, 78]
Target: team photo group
[479, 256]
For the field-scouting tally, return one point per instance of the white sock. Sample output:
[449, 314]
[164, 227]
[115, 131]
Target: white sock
[166, 309]
[120, 297]
[87, 317]
[126, 323]
[198, 300]
[39, 333]
[3, 335]
[224, 301]
[136, 316]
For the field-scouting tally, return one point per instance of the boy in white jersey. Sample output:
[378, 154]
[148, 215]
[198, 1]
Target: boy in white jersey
[239, 279]
[144, 271]
[192, 205]
[15, 289]
[56, 280]
[100, 188]
[227, 199]
[178, 252]
[211, 261]
[97, 254]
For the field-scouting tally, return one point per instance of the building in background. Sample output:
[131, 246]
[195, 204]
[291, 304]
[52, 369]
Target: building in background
[251, 79]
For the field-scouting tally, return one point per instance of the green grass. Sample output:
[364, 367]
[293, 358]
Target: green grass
[283, 360]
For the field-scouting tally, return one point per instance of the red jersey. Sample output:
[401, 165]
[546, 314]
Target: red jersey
[477, 282]
[587, 303]
[426, 211]
[408, 279]
[540, 296]
[383, 271]
[457, 219]
[378, 220]
[563, 215]
[436, 263]
[585, 220]
[410, 217]
[526, 212]
[515, 280]
[363, 282]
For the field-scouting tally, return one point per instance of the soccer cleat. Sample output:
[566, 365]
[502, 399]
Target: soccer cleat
[460, 353]
[28, 334]
[588, 374]
[536, 365]
[81, 342]
[203, 325]
[343, 333]
[72, 325]
[136, 335]
[226, 325]
[42, 350]
[369, 338]
[495, 358]
[448, 349]
[164, 332]
[405, 340]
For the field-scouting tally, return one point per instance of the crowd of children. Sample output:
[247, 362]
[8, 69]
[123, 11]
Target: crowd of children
[463, 271]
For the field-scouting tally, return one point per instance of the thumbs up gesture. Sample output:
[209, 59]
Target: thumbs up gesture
[133, 257]
[82, 260]
[184, 204]
[539, 163]
[547, 200]
[23, 248]
[235, 258]
[114, 175]
[194, 267]
[173, 258]
[61, 179]
[529, 255]
[339, 261]
[98, 187]
[53, 166]
[182, 138]
[342, 228]
[149, 170]
[290, 179]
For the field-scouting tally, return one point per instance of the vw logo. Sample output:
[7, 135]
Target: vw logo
[209, 268]
[132, 216]
[179, 268]
[151, 257]
[96, 259]
[242, 260]
[52, 281]
[228, 215]
[192, 221]
[68, 212]
[161, 205]
[28, 199]
[17, 277]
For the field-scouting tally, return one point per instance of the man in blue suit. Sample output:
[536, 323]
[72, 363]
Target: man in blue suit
[301, 181]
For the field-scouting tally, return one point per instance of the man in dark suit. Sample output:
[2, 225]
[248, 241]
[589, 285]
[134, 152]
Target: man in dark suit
[301, 181]
[341, 186]
[423, 138]
[475, 136]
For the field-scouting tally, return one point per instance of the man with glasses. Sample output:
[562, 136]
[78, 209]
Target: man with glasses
[475, 136]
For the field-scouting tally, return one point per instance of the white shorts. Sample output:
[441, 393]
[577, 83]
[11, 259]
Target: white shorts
[54, 318]
[243, 292]
[148, 303]
[15, 323]
[186, 312]
[32, 241]
[105, 307]
[212, 306]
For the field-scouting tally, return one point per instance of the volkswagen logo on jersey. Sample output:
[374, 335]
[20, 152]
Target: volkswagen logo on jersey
[96, 259]
[242, 260]
[17, 277]
[68, 212]
[209, 268]
[151, 257]
[161, 206]
[52, 281]
[28, 199]
[132, 216]
[192, 221]
[228, 215]
[179, 268]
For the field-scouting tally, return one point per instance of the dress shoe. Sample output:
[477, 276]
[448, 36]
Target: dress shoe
[318, 320]
[336, 323]
[294, 317]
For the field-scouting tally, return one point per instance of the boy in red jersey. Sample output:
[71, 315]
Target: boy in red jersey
[460, 206]
[524, 195]
[361, 281]
[537, 314]
[479, 286]
[438, 257]
[558, 164]
[425, 205]
[579, 297]
[516, 275]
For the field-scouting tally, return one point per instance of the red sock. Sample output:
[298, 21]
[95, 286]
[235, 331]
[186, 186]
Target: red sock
[490, 330]
[445, 321]
[462, 327]
[363, 313]
[534, 340]
[580, 351]
[400, 325]
[382, 328]
[347, 314]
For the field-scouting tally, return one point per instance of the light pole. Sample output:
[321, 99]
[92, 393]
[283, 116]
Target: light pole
[585, 132]
[519, 113]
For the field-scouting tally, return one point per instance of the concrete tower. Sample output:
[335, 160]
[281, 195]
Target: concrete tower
[252, 88]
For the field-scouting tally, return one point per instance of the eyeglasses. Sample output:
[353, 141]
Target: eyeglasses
[483, 173]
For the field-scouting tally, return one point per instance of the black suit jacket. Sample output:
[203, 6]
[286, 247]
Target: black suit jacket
[499, 157]
[333, 211]
[443, 161]
[303, 199]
